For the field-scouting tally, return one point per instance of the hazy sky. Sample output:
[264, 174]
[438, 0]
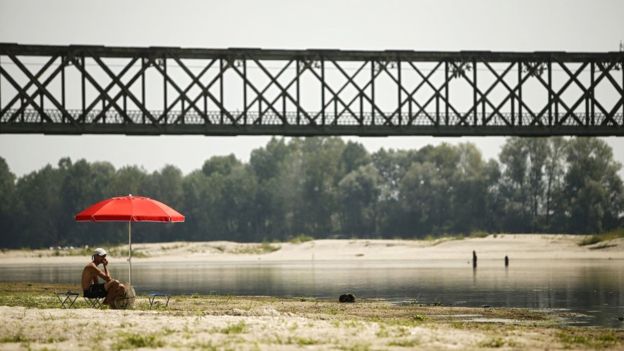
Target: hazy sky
[511, 25]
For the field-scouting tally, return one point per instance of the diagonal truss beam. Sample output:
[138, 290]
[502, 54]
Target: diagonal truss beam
[87, 89]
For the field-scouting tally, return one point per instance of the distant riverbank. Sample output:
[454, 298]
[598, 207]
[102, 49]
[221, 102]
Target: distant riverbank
[490, 249]
[30, 319]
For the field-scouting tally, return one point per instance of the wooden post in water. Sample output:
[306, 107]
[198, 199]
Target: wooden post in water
[474, 259]
[506, 261]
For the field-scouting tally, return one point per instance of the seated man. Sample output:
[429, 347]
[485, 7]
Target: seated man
[91, 286]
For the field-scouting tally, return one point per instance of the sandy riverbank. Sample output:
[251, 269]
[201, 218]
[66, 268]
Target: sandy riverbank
[30, 319]
[490, 248]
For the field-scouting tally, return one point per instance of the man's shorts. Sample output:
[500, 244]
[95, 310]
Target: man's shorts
[95, 290]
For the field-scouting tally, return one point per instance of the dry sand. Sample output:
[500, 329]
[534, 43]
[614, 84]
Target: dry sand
[245, 323]
[266, 329]
[490, 248]
[239, 323]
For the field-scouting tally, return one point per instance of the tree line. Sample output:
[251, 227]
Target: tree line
[326, 187]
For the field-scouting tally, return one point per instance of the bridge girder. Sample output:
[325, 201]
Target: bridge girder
[246, 91]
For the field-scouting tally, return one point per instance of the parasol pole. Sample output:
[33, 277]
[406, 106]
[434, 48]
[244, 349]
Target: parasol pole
[130, 252]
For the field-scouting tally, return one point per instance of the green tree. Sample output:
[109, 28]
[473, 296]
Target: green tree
[494, 202]
[422, 198]
[555, 171]
[522, 186]
[359, 193]
[128, 180]
[228, 199]
[165, 186]
[238, 203]
[514, 188]
[38, 208]
[308, 185]
[7, 204]
[593, 190]
[267, 161]
[392, 166]
[220, 164]
[353, 156]
[268, 164]
[324, 186]
[538, 153]
[77, 191]
[198, 199]
[470, 184]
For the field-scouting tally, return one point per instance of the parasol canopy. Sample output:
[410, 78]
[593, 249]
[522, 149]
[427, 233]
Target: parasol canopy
[129, 209]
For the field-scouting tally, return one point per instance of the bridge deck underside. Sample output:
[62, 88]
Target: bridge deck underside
[31, 122]
[100, 90]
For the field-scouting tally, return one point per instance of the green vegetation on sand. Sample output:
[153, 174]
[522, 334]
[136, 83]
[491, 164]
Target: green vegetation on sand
[30, 318]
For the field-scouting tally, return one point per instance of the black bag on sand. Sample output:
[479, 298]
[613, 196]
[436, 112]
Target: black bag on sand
[346, 298]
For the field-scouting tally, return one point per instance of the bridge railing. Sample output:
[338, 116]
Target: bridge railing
[428, 119]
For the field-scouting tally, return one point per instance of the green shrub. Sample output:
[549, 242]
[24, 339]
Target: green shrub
[478, 234]
[134, 341]
[237, 328]
[594, 239]
[300, 238]
[404, 342]
[255, 249]
[594, 339]
[493, 343]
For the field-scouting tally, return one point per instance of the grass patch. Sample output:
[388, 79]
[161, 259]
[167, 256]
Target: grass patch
[440, 238]
[205, 346]
[478, 234]
[128, 341]
[301, 341]
[590, 240]
[300, 238]
[395, 323]
[255, 249]
[295, 340]
[402, 322]
[236, 328]
[356, 347]
[219, 248]
[594, 239]
[55, 339]
[19, 337]
[418, 318]
[436, 240]
[119, 252]
[30, 301]
[81, 251]
[493, 343]
[266, 247]
[23, 288]
[382, 332]
[58, 252]
[87, 252]
[171, 247]
[602, 246]
[591, 338]
[404, 343]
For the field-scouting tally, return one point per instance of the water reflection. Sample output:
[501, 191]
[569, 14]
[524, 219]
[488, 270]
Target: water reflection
[595, 288]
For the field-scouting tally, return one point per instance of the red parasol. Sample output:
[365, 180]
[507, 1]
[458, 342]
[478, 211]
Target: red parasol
[129, 209]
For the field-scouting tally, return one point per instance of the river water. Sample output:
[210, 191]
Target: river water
[593, 288]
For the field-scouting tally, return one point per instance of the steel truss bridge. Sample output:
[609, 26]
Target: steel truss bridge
[247, 91]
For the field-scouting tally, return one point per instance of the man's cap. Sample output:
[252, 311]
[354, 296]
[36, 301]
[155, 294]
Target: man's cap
[99, 251]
